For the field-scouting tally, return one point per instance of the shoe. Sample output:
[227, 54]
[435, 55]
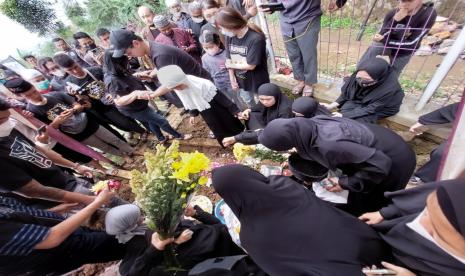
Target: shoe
[185, 137]
[415, 180]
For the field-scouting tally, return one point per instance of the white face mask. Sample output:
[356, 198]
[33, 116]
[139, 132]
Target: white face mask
[227, 33]
[59, 73]
[416, 226]
[212, 20]
[212, 51]
[197, 19]
[6, 128]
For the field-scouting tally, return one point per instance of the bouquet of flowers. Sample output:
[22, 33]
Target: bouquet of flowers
[163, 191]
[111, 184]
[253, 155]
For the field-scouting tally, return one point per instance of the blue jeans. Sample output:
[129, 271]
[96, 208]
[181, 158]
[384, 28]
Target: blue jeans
[155, 122]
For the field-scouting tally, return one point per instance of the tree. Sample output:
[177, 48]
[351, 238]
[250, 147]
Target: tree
[35, 15]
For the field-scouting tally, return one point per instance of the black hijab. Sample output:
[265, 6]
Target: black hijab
[282, 107]
[327, 140]
[380, 71]
[411, 249]
[309, 107]
[287, 230]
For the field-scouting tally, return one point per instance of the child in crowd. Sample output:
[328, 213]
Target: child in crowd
[214, 61]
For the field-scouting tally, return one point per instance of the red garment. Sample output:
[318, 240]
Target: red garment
[181, 39]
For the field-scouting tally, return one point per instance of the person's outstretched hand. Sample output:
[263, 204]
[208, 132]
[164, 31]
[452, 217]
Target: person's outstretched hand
[372, 218]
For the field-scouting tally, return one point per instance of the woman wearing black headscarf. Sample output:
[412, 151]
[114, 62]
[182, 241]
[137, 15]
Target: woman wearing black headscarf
[372, 159]
[373, 92]
[126, 91]
[308, 107]
[194, 243]
[287, 230]
[273, 104]
[425, 226]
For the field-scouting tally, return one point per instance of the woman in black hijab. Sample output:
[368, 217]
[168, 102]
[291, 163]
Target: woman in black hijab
[425, 226]
[308, 107]
[194, 243]
[287, 230]
[273, 104]
[373, 92]
[372, 159]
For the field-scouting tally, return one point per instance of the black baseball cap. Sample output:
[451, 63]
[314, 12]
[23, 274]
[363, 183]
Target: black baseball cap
[121, 40]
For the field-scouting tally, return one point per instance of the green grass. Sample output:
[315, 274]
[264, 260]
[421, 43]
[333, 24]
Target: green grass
[412, 85]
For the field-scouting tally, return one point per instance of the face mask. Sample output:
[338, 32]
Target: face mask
[6, 128]
[212, 51]
[59, 73]
[43, 85]
[91, 46]
[212, 20]
[177, 14]
[197, 19]
[365, 83]
[227, 33]
[416, 226]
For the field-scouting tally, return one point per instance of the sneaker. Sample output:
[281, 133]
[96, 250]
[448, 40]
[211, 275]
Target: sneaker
[415, 180]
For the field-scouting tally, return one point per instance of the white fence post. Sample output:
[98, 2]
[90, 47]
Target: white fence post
[446, 64]
[269, 44]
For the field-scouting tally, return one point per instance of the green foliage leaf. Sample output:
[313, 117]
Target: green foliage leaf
[37, 16]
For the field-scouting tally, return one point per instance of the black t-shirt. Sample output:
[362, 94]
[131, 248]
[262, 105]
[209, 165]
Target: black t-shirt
[122, 86]
[20, 162]
[164, 55]
[93, 88]
[250, 49]
[405, 35]
[78, 126]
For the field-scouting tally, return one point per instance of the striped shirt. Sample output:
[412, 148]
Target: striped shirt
[19, 238]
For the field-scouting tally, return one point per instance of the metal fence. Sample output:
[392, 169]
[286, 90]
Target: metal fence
[339, 51]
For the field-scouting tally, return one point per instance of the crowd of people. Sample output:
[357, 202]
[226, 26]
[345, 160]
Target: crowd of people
[95, 96]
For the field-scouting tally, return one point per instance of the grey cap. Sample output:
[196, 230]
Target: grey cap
[160, 21]
[121, 40]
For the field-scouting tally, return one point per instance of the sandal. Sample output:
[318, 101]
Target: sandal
[298, 89]
[185, 137]
[308, 91]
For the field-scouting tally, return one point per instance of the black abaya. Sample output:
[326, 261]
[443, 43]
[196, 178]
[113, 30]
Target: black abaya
[220, 119]
[410, 249]
[261, 115]
[444, 115]
[287, 230]
[371, 103]
[373, 159]
[209, 240]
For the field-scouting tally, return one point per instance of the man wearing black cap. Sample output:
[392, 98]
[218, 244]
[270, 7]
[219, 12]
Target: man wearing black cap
[127, 43]
[425, 226]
